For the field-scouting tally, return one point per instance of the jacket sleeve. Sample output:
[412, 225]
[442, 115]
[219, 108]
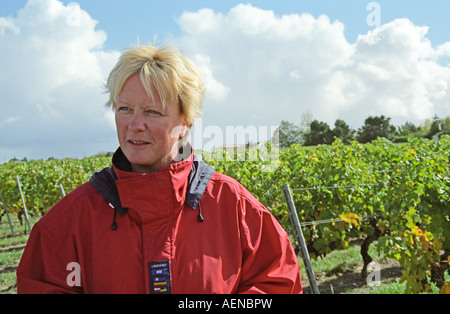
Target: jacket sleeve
[270, 264]
[43, 267]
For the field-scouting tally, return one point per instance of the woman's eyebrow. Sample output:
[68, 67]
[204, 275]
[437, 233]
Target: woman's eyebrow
[122, 102]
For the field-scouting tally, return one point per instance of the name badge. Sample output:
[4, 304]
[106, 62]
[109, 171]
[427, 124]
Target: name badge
[159, 277]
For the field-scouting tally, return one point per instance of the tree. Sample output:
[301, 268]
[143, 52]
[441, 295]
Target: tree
[435, 128]
[438, 127]
[375, 127]
[446, 126]
[288, 133]
[342, 131]
[405, 131]
[305, 121]
[408, 129]
[319, 133]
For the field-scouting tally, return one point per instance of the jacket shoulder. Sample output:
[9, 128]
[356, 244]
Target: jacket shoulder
[234, 189]
[70, 206]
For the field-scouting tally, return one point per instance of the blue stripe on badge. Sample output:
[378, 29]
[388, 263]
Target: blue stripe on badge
[159, 277]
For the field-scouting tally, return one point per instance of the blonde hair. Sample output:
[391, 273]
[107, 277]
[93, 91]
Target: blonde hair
[174, 76]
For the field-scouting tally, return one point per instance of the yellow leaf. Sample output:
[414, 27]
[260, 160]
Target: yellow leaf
[445, 289]
[416, 231]
[382, 225]
[350, 218]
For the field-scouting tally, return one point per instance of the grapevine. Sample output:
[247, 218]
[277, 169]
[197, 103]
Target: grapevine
[395, 195]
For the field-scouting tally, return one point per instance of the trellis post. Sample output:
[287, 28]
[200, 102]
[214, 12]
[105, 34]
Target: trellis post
[62, 190]
[301, 241]
[23, 202]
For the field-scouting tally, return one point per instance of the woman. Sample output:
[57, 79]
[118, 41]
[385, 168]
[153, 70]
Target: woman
[158, 220]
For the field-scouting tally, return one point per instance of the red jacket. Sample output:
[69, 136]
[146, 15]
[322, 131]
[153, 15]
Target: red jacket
[183, 229]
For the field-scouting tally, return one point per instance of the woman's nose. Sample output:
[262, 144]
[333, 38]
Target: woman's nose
[137, 122]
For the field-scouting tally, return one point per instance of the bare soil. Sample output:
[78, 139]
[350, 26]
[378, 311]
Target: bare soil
[351, 281]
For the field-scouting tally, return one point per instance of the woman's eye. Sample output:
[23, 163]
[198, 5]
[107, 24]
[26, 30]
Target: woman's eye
[154, 113]
[123, 109]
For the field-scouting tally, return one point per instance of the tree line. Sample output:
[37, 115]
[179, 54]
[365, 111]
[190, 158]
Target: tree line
[315, 132]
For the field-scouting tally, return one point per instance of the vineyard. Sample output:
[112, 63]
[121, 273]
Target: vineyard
[396, 196]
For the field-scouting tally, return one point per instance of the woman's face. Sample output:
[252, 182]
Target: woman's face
[148, 133]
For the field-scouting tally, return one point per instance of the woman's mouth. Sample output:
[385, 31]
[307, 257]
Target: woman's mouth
[138, 142]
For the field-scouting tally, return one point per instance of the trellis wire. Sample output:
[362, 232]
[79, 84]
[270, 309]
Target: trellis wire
[326, 221]
[337, 186]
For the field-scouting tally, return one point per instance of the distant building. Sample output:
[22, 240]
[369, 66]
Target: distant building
[236, 147]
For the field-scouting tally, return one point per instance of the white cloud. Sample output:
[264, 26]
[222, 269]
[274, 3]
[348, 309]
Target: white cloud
[216, 90]
[7, 25]
[395, 71]
[53, 71]
[12, 119]
[277, 67]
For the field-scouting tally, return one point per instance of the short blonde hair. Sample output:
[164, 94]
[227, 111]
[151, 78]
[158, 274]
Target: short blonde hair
[174, 76]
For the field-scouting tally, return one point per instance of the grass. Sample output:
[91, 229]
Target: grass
[11, 250]
[340, 272]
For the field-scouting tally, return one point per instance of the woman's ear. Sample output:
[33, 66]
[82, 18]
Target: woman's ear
[183, 131]
[179, 151]
[184, 128]
[179, 131]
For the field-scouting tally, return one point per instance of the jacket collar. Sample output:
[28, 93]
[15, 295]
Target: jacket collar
[149, 193]
[198, 179]
[186, 180]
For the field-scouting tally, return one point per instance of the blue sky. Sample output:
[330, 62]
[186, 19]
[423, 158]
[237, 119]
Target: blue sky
[262, 62]
[124, 20]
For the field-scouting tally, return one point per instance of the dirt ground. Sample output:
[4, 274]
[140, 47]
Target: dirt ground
[338, 282]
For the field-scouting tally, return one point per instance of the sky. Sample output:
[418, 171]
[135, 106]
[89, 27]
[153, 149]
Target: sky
[262, 62]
